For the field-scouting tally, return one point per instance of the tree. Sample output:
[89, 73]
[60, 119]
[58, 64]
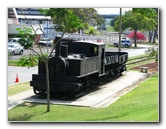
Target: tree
[86, 15]
[155, 36]
[66, 21]
[151, 13]
[91, 31]
[132, 21]
[26, 40]
[112, 22]
[139, 36]
[135, 21]
[152, 53]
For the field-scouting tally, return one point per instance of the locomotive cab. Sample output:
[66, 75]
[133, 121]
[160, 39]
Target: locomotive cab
[89, 57]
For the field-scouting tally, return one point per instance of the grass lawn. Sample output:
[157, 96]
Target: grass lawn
[18, 88]
[139, 105]
[13, 62]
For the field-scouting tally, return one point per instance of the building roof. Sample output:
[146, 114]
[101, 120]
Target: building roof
[12, 28]
[11, 13]
[29, 13]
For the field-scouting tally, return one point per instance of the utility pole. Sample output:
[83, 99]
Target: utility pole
[47, 35]
[120, 30]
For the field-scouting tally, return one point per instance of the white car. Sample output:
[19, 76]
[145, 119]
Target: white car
[15, 48]
[125, 43]
[45, 42]
[13, 40]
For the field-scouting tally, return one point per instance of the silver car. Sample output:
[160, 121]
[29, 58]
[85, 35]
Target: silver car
[125, 43]
[13, 40]
[15, 48]
[45, 42]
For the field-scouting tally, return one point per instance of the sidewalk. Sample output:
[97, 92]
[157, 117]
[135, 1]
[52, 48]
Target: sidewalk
[101, 97]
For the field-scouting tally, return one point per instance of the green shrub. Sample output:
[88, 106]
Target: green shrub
[152, 53]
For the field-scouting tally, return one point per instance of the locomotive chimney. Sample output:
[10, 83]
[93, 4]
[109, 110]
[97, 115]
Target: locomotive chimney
[58, 47]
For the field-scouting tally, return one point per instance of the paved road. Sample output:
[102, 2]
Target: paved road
[27, 52]
[133, 51]
[25, 74]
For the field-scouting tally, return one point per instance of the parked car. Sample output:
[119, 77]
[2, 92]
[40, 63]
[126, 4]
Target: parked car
[45, 42]
[125, 43]
[15, 48]
[13, 40]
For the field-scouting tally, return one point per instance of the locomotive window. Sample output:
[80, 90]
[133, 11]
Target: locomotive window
[93, 51]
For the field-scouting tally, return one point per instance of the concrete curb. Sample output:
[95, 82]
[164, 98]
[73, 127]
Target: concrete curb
[18, 83]
[13, 103]
[111, 99]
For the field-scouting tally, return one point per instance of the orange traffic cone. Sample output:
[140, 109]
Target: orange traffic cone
[17, 79]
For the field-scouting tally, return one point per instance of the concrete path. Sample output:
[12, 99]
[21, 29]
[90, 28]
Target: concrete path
[101, 97]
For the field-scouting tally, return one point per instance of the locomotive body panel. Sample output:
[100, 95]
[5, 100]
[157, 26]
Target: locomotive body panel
[79, 67]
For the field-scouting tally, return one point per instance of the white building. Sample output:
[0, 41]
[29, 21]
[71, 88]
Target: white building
[18, 17]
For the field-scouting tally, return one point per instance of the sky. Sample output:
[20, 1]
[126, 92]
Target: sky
[111, 10]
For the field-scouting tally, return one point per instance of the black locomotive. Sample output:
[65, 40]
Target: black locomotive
[77, 66]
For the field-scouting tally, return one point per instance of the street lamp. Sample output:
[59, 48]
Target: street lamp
[47, 34]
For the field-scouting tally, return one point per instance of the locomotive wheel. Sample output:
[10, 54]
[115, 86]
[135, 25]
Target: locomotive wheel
[117, 72]
[38, 92]
[70, 94]
[86, 85]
